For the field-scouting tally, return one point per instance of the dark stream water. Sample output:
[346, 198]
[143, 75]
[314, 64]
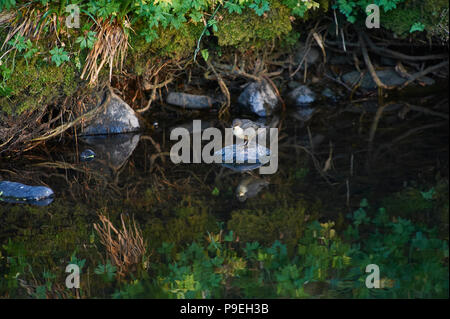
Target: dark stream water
[132, 174]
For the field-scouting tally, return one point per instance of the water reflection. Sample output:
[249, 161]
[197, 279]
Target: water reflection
[111, 152]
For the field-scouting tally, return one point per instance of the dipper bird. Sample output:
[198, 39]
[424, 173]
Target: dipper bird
[240, 125]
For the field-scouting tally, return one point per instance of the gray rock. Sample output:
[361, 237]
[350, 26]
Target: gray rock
[388, 61]
[241, 158]
[311, 57]
[87, 155]
[340, 59]
[190, 101]
[119, 117]
[388, 77]
[13, 192]
[426, 80]
[301, 96]
[259, 98]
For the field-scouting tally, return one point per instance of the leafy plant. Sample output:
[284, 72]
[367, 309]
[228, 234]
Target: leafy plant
[87, 41]
[107, 271]
[59, 56]
[260, 6]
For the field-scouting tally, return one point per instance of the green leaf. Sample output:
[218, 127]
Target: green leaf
[59, 56]
[418, 26]
[428, 195]
[205, 55]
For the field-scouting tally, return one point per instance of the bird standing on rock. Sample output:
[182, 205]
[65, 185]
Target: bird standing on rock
[240, 126]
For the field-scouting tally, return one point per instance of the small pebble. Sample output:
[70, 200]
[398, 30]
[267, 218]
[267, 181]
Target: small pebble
[87, 155]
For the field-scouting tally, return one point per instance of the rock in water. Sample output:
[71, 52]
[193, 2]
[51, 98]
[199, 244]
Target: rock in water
[301, 96]
[241, 158]
[19, 193]
[119, 117]
[388, 77]
[190, 101]
[259, 98]
[87, 155]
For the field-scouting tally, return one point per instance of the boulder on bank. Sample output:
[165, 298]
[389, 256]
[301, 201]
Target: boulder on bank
[118, 117]
[259, 98]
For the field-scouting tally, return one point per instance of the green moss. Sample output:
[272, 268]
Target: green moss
[249, 29]
[428, 12]
[285, 223]
[171, 43]
[38, 83]
[186, 222]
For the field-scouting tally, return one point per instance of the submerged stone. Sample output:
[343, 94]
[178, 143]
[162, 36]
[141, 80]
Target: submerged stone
[13, 192]
[118, 117]
[241, 158]
[87, 155]
[259, 98]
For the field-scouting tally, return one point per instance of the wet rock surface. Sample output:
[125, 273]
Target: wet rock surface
[240, 158]
[118, 117]
[87, 155]
[13, 192]
[191, 101]
[259, 99]
[388, 76]
[301, 96]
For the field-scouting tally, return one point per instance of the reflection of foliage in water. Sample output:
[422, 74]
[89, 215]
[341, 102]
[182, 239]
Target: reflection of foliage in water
[315, 260]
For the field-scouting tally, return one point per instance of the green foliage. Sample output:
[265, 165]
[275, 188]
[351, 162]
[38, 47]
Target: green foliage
[299, 8]
[418, 26]
[59, 56]
[87, 41]
[354, 8]
[400, 16]
[107, 271]
[34, 83]
[248, 29]
[260, 6]
[261, 254]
